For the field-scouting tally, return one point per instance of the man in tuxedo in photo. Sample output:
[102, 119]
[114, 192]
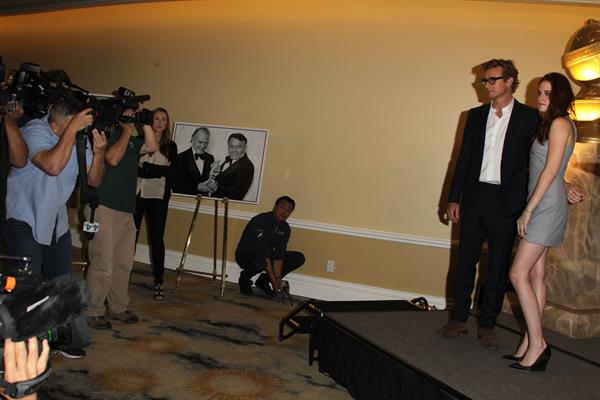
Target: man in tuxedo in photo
[236, 172]
[192, 169]
[487, 195]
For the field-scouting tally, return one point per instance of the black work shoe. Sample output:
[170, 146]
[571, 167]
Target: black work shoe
[487, 337]
[98, 322]
[263, 283]
[126, 317]
[69, 352]
[452, 329]
[245, 283]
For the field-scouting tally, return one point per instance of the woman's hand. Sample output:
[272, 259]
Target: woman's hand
[522, 223]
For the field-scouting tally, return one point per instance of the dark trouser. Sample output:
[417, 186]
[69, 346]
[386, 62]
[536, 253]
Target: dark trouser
[48, 261]
[253, 265]
[156, 220]
[483, 219]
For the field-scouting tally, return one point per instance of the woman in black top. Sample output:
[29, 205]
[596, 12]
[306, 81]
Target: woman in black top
[155, 176]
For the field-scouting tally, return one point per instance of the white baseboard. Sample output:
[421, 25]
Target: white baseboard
[300, 285]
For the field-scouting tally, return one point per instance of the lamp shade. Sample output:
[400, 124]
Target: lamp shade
[587, 103]
[582, 58]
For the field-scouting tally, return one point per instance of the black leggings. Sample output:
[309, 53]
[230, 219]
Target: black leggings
[156, 220]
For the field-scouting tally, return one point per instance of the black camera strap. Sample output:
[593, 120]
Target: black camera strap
[4, 168]
[87, 194]
[80, 144]
[24, 388]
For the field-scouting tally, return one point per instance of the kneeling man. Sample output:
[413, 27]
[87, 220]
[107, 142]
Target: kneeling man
[263, 248]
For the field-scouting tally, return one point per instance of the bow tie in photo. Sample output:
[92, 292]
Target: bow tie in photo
[200, 156]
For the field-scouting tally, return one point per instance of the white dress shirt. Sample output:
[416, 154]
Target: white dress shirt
[495, 132]
[199, 162]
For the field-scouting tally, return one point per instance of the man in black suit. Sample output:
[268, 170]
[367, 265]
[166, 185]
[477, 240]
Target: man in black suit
[236, 172]
[193, 166]
[488, 192]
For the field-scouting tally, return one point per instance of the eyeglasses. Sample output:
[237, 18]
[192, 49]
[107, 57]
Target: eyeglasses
[491, 81]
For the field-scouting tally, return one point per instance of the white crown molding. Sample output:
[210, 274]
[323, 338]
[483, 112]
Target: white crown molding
[324, 227]
[300, 285]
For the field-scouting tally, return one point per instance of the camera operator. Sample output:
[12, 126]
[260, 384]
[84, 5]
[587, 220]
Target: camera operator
[13, 152]
[23, 362]
[112, 249]
[36, 203]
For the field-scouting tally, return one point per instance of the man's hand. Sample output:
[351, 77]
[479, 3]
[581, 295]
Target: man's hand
[23, 363]
[453, 211]
[129, 127]
[99, 139]
[17, 113]
[212, 185]
[81, 120]
[203, 187]
[574, 193]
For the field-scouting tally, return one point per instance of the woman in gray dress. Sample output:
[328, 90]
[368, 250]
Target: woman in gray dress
[542, 223]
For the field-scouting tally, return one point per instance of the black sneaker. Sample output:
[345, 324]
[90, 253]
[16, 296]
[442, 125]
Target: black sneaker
[126, 317]
[263, 283]
[69, 352]
[245, 283]
[98, 322]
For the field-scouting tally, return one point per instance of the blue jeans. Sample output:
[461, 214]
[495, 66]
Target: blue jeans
[49, 261]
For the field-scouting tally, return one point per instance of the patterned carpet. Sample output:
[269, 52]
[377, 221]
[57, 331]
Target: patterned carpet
[193, 345]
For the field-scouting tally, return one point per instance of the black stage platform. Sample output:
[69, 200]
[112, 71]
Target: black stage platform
[389, 350]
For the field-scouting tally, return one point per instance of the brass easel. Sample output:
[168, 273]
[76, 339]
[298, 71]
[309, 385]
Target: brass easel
[213, 274]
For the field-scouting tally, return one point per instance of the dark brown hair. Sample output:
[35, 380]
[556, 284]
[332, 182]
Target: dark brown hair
[561, 103]
[508, 70]
[165, 139]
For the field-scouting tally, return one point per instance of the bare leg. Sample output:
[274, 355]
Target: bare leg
[537, 277]
[528, 255]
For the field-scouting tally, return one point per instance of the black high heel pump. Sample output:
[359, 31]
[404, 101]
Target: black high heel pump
[512, 357]
[538, 366]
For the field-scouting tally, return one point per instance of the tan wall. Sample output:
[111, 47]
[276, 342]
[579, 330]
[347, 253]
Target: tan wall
[361, 99]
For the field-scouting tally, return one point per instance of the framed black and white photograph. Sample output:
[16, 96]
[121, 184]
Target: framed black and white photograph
[219, 161]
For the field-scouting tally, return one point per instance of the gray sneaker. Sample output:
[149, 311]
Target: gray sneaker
[126, 317]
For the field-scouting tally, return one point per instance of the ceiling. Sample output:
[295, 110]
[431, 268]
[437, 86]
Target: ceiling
[13, 7]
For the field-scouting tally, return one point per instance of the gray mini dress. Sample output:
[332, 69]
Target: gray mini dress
[549, 219]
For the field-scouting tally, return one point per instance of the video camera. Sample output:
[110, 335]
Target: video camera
[108, 111]
[37, 90]
[31, 307]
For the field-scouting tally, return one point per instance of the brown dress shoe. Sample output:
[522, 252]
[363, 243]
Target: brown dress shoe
[452, 329]
[487, 336]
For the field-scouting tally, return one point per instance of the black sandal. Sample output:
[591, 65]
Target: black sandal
[159, 293]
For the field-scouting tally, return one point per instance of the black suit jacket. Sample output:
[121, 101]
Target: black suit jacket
[235, 181]
[515, 157]
[187, 176]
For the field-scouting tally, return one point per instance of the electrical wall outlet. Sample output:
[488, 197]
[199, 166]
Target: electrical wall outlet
[330, 265]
